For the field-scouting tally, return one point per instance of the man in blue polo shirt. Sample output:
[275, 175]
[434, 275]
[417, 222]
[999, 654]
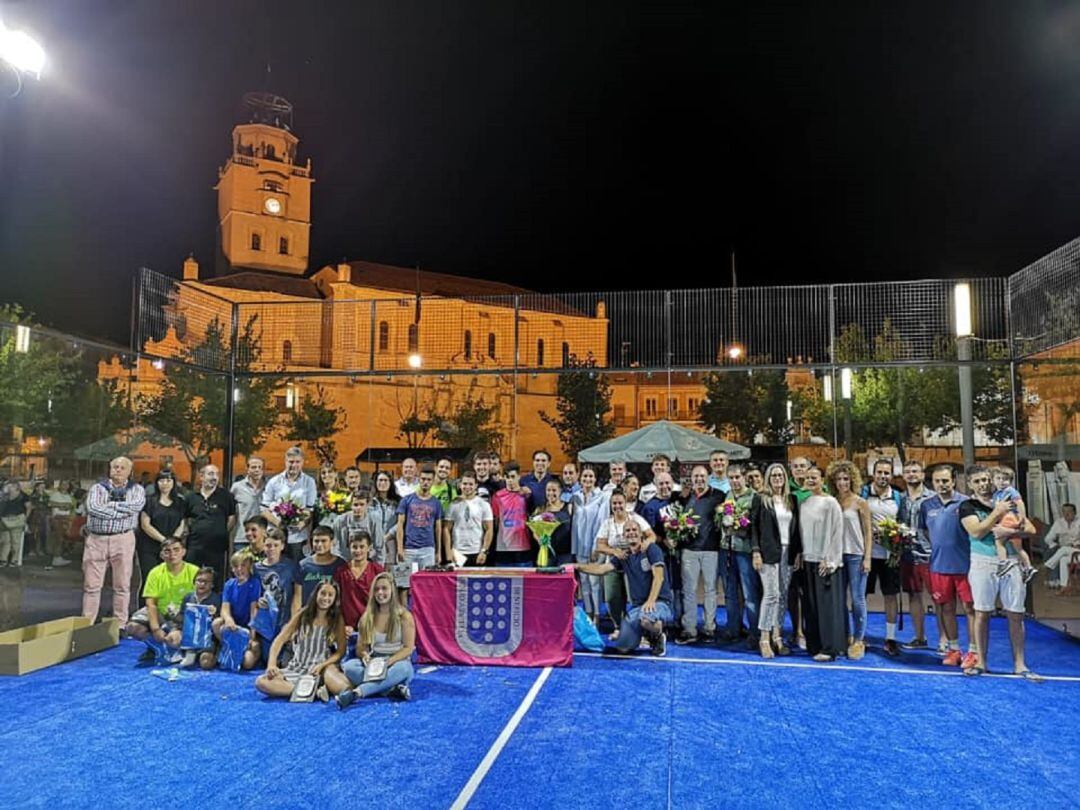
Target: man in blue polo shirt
[536, 482]
[650, 593]
[950, 557]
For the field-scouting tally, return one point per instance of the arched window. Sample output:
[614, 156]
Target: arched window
[269, 152]
[491, 345]
[256, 242]
[566, 355]
[283, 246]
[414, 339]
[384, 336]
[286, 351]
[540, 352]
[468, 345]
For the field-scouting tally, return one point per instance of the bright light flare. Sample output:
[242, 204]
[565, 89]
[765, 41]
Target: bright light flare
[21, 51]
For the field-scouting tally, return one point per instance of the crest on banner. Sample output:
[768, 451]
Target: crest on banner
[489, 614]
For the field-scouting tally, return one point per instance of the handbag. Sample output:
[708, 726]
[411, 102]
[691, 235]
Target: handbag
[304, 689]
[375, 670]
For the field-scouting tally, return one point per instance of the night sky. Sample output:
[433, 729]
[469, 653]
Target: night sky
[554, 145]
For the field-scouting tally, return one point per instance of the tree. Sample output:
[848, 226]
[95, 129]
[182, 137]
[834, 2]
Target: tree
[472, 425]
[88, 411]
[32, 381]
[583, 399]
[316, 422]
[891, 404]
[750, 403]
[191, 405]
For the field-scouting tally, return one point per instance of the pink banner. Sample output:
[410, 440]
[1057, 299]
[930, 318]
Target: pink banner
[506, 618]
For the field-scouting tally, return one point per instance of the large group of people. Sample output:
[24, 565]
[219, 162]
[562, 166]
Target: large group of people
[328, 559]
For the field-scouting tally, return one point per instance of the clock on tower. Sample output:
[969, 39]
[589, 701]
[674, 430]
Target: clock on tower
[264, 195]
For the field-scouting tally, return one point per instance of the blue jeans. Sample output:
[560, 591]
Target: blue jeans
[855, 583]
[738, 567]
[630, 629]
[399, 673]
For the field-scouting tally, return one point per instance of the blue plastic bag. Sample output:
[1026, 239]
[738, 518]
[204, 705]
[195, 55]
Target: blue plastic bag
[233, 645]
[163, 655]
[197, 635]
[586, 636]
[266, 620]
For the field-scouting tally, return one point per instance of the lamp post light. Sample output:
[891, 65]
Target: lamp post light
[962, 311]
[21, 52]
[845, 394]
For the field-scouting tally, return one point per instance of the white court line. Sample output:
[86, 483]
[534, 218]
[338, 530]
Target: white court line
[500, 742]
[950, 673]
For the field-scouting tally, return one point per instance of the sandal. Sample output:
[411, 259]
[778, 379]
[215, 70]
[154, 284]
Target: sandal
[766, 649]
[1028, 675]
[973, 671]
[781, 648]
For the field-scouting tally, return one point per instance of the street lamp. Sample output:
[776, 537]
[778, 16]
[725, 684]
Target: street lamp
[845, 394]
[827, 381]
[962, 311]
[21, 51]
[735, 352]
[415, 360]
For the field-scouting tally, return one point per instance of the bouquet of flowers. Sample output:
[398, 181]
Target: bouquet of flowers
[289, 511]
[336, 502]
[543, 526]
[896, 538]
[734, 516]
[680, 523]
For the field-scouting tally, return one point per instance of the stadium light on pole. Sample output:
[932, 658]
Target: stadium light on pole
[845, 394]
[21, 51]
[962, 311]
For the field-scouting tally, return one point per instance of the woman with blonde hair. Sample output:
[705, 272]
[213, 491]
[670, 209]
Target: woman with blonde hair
[387, 638]
[844, 481]
[776, 542]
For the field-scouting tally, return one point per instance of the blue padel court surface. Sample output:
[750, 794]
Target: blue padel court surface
[703, 727]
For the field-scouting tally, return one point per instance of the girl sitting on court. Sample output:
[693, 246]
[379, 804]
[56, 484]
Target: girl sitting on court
[240, 603]
[383, 665]
[317, 635]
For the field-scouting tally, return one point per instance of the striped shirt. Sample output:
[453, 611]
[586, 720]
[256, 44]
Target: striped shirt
[106, 516]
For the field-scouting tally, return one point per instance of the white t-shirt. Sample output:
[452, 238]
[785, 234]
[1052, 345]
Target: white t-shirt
[881, 507]
[612, 532]
[467, 524]
[783, 521]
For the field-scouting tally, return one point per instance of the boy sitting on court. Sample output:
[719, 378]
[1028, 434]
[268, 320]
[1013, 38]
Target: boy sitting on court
[166, 586]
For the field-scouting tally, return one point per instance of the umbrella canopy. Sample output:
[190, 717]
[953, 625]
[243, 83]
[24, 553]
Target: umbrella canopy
[674, 441]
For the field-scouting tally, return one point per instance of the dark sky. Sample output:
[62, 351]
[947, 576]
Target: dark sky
[557, 145]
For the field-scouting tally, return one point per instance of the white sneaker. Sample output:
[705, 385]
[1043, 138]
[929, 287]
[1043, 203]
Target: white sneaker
[57, 562]
[188, 659]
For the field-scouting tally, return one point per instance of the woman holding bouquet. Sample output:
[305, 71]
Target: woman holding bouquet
[334, 500]
[822, 526]
[561, 513]
[776, 544]
[844, 480]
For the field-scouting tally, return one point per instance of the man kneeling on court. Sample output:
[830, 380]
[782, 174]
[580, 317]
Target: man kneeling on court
[650, 592]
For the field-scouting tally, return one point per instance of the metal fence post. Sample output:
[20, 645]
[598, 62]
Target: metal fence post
[230, 399]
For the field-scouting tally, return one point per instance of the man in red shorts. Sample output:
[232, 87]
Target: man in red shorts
[915, 568]
[950, 558]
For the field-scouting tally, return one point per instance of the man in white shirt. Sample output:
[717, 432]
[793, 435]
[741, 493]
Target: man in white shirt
[884, 502]
[409, 482]
[467, 531]
[248, 492]
[298, 486]
[1064, 539]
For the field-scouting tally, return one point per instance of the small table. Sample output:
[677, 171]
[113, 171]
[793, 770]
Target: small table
[509, 617]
